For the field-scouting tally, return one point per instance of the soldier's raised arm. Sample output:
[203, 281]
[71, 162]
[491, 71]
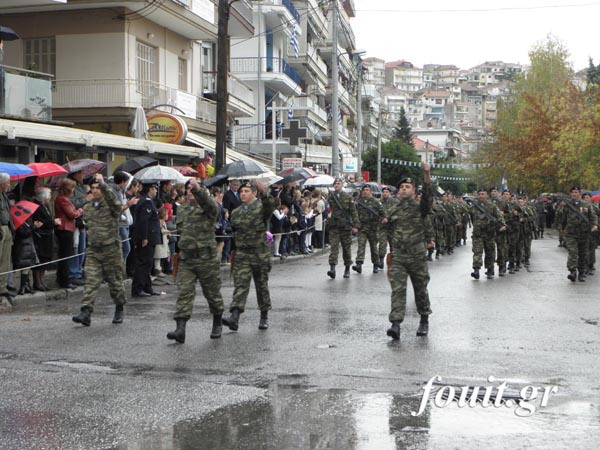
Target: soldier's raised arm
[114, 203]
[427, 195]
[206, 202]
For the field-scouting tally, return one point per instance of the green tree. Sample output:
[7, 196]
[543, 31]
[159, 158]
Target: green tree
[458, 187]
[593, 74]
[391, 174]
[402, 131]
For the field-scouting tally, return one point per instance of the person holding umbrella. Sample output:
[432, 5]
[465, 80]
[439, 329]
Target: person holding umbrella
[6, 236]
[103, 253]
[23, 251]
[43, 236]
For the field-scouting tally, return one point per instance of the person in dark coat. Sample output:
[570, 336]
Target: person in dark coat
[23, 253]
[43, 236]
[146, 236]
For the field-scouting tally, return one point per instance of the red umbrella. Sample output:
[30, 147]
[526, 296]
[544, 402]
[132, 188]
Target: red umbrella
[596, 198]
[22, 211]
[47, 169]
[186, 171]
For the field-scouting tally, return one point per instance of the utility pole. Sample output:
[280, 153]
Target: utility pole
[222, 73]
[379, 145]
[334, 93]
[359, 145]
[274, 135]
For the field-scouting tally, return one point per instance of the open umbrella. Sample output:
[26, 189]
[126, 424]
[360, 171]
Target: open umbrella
[133, 165]
[596, 198]
[242, 169]
[46, 169]
[160, 173]
[89, 167]
[8, 34]
[268, 178]
[22, 211]
[217, 180]
[186, 171]
[16, 171]
[296, 174]
[320, 181]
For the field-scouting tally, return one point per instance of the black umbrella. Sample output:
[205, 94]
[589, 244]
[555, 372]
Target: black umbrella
[296, 174]
[217, 180]
[241, 169]
[8, 34]
[136, 164]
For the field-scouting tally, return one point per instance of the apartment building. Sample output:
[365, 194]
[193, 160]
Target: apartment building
[403, 75]
[492, 72]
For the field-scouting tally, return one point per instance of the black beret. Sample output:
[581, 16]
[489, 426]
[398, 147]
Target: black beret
[247, 184]
[386, 188]
[406, 180]
[576, 188]
[338, 180]
[364, 186]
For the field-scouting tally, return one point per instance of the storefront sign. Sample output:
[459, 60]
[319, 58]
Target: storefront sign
[350, 164]
[287, 163]
[167, 128]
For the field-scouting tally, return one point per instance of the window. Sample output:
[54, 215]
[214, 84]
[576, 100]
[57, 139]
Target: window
[182, 73]
[40, 54]
[146, 71]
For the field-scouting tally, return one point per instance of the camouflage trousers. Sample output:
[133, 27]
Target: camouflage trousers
[440, 238]
[249, 264]
[593, 245]
[502, 248]
[343, 235]
[527, 238]
[383, 239]
[450, 236]
[200, 265]
[103, 263]
[512, 241]
[402, 266]
[483, 242]
[577, 248]
[368, 234]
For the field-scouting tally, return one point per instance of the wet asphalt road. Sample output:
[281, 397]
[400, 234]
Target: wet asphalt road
[325, 375]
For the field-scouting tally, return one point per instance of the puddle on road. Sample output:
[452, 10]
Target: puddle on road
[301, 416]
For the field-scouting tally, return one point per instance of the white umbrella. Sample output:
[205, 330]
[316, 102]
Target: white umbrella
[268, 178]
[160, 173]
[320, 181]
[139, 127]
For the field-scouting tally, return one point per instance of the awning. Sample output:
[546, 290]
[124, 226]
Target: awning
[13, 129]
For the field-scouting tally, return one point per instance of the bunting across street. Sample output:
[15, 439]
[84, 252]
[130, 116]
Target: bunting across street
[398, 162]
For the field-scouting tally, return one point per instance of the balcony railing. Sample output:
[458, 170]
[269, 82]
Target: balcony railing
[25, 93]
[236, 87]
[129, 93]
[314, 56]
[290, 7]
[306, 103]
[271, 65]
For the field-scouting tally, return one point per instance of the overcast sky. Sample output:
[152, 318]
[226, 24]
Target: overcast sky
[441, 35]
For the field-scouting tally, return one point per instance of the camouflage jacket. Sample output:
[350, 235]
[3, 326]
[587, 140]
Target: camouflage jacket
[481, 221]
[411, 225]
[249, 222]
[451, 217]
[370, 212]
[102, 218]
[196, 223]
[439, 216]
[574, 223]
[346, 216]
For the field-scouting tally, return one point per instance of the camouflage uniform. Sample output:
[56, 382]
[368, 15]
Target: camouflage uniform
[370, 213]
[463, 209]
[252, 252]
[484, 233]
[340, 225]
[103, 255]
[593, 243]
[528, 231]
[198, 255]
[439, 227]
[384, 229]
[512, 216]
[410, 230]
[502, 236]
[450, 220]
[577, 232]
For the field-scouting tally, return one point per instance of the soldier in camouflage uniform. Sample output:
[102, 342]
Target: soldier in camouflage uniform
[486, 218]
[439, 227]
[370, 214]
[103, 256]
[342, 222]
[463, 212]
[501, 236]
[511, 214]
[387, 201]
[529, 225]
[578, 221]
[593, 245]
[410, 230]
[252, 253]
[450, 220]
[197, 259]
[559, 216]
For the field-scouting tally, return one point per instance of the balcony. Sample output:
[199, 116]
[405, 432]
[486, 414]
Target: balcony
[275, 71]
[26, 94]
[280, 12]
[317, 154]
[241, 96]
[307, 107]
[312, 59]
[317, 18]
[119, 93]
[347, 102]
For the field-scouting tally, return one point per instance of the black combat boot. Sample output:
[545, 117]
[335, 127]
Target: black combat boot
[84, 317]
[591, 270]
[502, 270]
[581, 276]
[381, 258]
[518, 267]
[25, 286]
[572, 276]
[489, 273]
[179, 333]
[423, 326]
[233, 321]
[375, 268]
[429, 254]
[331, 271]
[347, 272]
[118, 317]
[475, 274]
[526, 263]
[356, 268]
[263, 324]
[394, 330]
[217, 327]
[511, 268]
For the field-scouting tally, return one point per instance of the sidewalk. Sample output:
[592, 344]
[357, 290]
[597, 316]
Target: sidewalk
[55, 294]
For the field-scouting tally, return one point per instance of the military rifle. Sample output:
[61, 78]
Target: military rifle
[488, 215]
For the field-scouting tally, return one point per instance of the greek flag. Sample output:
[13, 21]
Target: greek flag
[294, 41]
[291, 110]
[504, 184]
[330, 117]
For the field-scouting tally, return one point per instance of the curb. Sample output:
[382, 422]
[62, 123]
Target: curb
[43, 298]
